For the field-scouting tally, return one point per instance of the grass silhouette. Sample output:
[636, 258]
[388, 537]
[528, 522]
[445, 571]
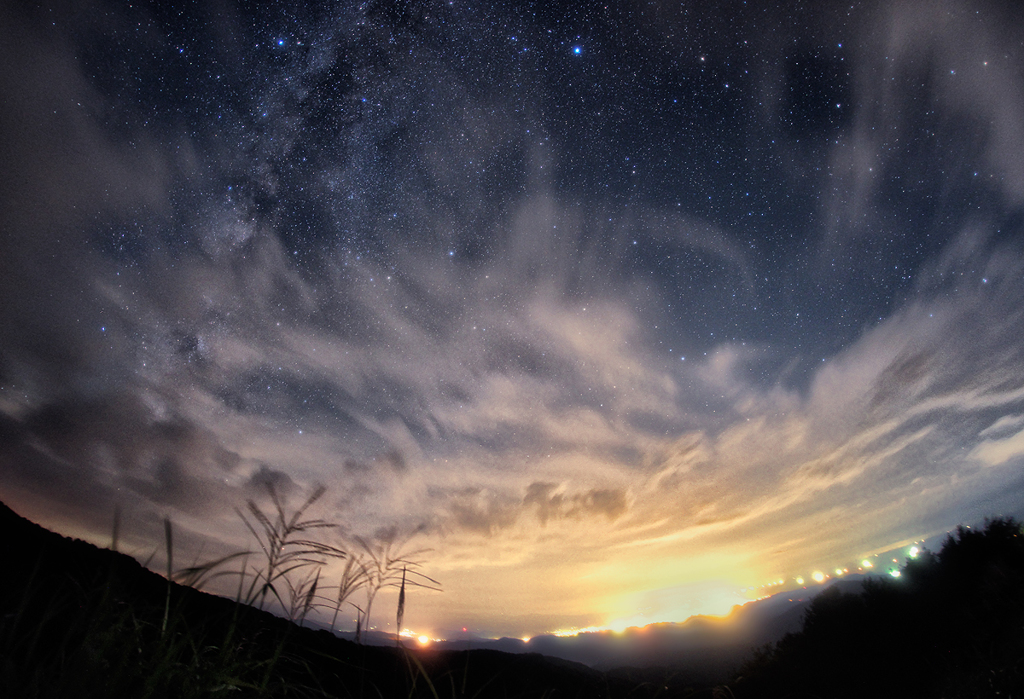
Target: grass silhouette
[388, 566]
[80, 621]
[293, 558]
[95, 624]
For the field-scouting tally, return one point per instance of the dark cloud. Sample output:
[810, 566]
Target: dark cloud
[30, 467]
[609, 502]
[120, 445]
[478, 511]
[550, 502]
[269, 480]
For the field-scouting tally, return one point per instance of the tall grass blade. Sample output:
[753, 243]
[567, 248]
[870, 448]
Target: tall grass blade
[352, 578]
[307, 604]
[401, 611]
[387, 567]
[169, 541]
[115, 535]
[241, 577]
[198, 575]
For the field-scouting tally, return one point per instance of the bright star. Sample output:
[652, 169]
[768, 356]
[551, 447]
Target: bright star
[577, 50]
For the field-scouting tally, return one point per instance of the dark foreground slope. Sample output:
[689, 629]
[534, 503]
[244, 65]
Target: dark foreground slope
[951, 626]
[80, 621]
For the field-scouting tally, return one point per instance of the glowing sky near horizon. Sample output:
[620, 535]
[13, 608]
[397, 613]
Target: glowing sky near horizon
[625, 309]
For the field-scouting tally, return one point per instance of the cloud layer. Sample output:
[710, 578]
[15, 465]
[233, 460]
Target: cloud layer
[602, 371]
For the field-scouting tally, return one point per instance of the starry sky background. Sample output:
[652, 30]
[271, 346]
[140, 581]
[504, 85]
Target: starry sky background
[623, 308]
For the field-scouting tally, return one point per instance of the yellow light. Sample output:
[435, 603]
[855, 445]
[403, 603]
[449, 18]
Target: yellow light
[818, 576]
[424, 640]
[895, 573]
[526, 639]
[799, 581]
[866, 563]
[839, 571]
[914, 551]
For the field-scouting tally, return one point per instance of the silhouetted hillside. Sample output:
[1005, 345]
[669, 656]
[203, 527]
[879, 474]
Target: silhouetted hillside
[704, 650]
[951, 626]
[79, 621]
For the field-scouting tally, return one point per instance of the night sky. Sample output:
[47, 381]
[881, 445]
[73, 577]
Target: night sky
[620, 309]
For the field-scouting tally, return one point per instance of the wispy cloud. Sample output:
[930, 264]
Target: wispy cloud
[562, 376]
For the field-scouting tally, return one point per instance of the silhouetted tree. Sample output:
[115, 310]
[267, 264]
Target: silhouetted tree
[952, 625]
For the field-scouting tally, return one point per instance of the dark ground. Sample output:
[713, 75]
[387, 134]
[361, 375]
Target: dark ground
[77, 620]
[82, 621]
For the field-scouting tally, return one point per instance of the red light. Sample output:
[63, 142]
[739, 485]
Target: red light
[463, 628]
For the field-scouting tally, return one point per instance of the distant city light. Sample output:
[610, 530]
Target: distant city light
[895, 573]
[818, 576]
[867, 564]
[914, 551]
[423, 640]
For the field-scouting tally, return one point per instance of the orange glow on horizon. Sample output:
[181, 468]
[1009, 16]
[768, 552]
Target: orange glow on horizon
[640, 624]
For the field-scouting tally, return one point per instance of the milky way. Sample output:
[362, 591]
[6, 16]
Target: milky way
[620, 310]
